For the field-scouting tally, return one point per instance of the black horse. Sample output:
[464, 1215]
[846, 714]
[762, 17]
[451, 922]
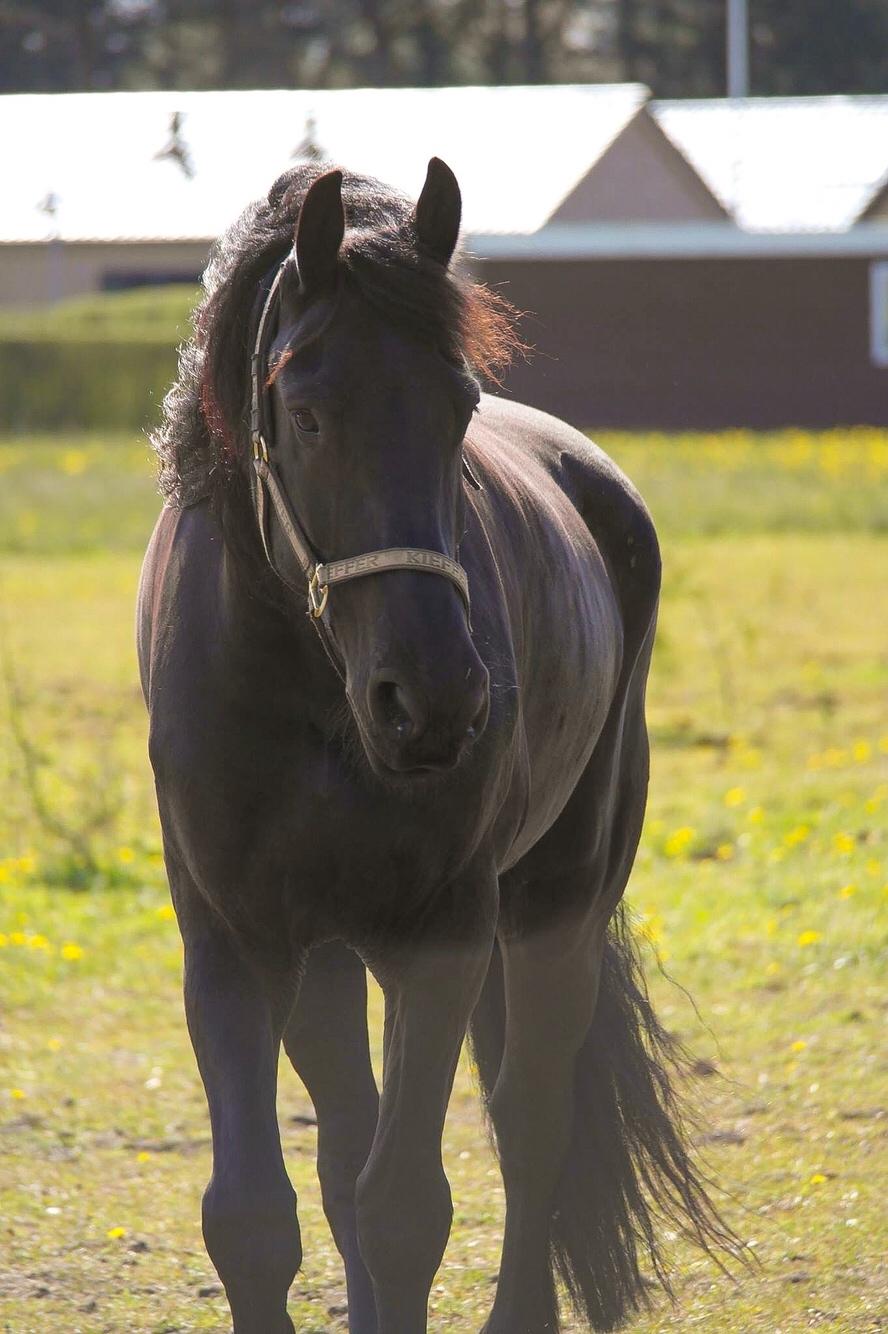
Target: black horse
[439, 774]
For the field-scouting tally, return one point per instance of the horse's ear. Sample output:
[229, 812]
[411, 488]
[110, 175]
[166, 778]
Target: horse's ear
[438, 211]
[319, 231]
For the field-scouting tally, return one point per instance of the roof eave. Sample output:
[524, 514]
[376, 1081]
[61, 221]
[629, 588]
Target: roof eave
[697, 240]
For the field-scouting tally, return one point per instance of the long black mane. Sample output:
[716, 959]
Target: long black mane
[203, 434]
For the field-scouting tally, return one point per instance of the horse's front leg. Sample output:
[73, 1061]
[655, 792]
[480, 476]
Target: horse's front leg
[326, 1039]
[235, 1016]
[404, 1207]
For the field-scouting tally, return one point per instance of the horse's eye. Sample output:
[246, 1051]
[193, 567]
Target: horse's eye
[306, 421]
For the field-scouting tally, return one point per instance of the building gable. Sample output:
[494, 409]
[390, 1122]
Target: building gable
[640, 177]
[877, 208]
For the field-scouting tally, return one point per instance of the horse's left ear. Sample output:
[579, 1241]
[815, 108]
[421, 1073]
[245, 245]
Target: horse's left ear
[319, 232]
[438, 211]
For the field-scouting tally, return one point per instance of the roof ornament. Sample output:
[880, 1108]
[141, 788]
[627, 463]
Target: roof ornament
[49, 206]
[309, 149]
[175, 148]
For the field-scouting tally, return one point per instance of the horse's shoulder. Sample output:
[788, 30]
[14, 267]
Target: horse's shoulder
[609, 503]
[178, 600]
[607, 499]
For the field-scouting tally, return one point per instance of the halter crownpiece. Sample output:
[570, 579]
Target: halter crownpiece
[321, 575]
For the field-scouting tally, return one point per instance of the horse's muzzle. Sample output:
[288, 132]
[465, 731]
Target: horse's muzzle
[416, 729]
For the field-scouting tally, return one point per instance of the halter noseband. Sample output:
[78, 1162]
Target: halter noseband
[320, 575]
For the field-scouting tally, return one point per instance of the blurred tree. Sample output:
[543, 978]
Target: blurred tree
[797, 47]
[675, 46]
[62, 45]
[819, 46]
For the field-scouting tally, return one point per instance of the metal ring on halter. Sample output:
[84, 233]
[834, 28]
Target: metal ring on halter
[317, 596]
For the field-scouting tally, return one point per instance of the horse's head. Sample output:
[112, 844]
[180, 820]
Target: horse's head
[369, 401]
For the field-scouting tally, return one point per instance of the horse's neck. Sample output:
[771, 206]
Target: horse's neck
[270, 641]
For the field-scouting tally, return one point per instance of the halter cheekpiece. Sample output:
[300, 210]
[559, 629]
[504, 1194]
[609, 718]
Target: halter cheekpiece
[320, 575]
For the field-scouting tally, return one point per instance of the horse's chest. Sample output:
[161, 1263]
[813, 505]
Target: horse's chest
[298, 839]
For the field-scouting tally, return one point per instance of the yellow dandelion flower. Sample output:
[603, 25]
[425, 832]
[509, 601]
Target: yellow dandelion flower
[650, 927]
[73, 462]
[725, 852]
[817, 1179]
[797, 835]
[54, 1044]
[678, 843]
[862, 751]
[125, 855]
[756, 815]
[873, 866]
[844, 843]
[38, 942]
[799, 1045]
[18, 938]
[735, 796]
[165, 912]
[874, 801]
[847, 891]
[5, 873]
[18, 1094]
[143, 1157]
[809, 938]
[115, 1233]
[71, 951]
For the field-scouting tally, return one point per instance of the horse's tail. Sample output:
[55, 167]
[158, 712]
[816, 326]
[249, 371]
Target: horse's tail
[629, 1166]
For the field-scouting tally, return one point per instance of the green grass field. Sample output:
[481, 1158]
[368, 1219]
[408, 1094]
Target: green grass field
[761, 886]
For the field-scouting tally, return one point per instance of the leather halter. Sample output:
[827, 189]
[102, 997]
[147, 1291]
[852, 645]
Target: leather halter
[319, 575]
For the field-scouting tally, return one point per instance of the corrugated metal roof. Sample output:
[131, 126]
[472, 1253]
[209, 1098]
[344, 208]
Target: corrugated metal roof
[95, 156]
[789, 164]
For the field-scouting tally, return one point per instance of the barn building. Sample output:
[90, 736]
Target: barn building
[778, 318]
[682, 264]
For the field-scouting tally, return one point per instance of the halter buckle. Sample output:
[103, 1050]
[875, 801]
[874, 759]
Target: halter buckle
[317, 596]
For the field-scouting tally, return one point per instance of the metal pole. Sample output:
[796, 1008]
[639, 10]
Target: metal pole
[738, 48]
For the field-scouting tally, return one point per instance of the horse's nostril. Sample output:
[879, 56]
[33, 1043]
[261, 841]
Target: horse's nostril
[390, 706]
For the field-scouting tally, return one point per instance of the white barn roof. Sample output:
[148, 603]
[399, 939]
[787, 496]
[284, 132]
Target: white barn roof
[94, 157]
[791, 164]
